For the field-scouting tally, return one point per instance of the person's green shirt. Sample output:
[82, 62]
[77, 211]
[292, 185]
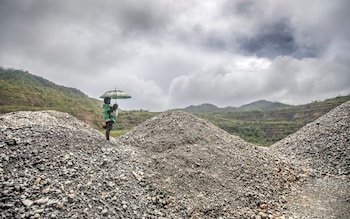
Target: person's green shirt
[107, 109]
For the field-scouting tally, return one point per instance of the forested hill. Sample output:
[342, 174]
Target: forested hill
[262, 105]
[21, 90]
[257, 105]
[24, 77]
[267, 126]
[260, 122]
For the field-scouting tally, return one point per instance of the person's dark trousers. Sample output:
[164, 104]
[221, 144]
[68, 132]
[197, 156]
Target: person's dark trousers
[108, 129]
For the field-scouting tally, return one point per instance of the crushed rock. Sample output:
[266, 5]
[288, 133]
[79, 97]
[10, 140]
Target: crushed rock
[55, 166]
[323, 147]
[208, 172]
[174, 165]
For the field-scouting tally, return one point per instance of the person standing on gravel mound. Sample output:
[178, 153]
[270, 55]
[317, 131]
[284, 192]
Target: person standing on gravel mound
[110, 115]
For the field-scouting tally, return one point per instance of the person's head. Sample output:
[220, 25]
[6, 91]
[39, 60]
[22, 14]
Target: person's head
[107, 100]
[115, 106]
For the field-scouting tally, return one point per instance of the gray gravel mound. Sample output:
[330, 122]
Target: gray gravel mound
[174, 165]
[55, 166]
[207, 171]
[323, 145]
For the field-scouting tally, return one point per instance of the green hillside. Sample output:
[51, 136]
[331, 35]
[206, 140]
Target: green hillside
[203, 108]
[265, 127]
[20, 90]
[15, 97]
[257, 105]
[24, 77]
[261, 105]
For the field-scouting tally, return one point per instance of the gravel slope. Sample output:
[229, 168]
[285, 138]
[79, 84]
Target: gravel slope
[322, 147]
[208, 172]
[174, 165]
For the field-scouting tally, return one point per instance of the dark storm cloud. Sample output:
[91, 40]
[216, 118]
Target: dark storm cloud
[185, 51]
[264, 30]
[141, 16]
[270, 41]
[76, 34]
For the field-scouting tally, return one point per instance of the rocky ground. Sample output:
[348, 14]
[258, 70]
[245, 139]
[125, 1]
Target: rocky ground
[322, 147]
[174, 165]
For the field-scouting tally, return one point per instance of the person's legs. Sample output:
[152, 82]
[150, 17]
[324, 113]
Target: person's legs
[108, 129]
[107, 134]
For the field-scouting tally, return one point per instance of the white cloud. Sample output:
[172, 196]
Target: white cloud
[224, 84]
[183, 52]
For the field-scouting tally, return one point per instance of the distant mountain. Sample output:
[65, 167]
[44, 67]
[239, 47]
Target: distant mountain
[203, 108]
[262, 105]
[261, 122]
[265, 127]
[257, 105]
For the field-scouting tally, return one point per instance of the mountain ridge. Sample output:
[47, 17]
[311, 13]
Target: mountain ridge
[21, 90]
[262, 105]
[24, 77]
[257, 122]
[256, 105]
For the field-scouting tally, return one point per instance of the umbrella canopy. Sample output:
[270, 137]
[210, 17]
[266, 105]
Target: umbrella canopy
[116, 94]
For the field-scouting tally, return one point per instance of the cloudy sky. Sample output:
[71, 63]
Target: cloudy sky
[175, 53]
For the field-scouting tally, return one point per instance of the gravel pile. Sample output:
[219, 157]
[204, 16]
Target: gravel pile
[322, 147]
[174, 165]
[208, 172]
[54, 166]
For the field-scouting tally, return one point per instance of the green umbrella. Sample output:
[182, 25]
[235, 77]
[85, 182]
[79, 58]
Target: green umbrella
[116, 94]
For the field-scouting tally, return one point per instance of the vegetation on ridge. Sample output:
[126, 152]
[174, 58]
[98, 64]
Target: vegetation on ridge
[21, 90]
[263, 126]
